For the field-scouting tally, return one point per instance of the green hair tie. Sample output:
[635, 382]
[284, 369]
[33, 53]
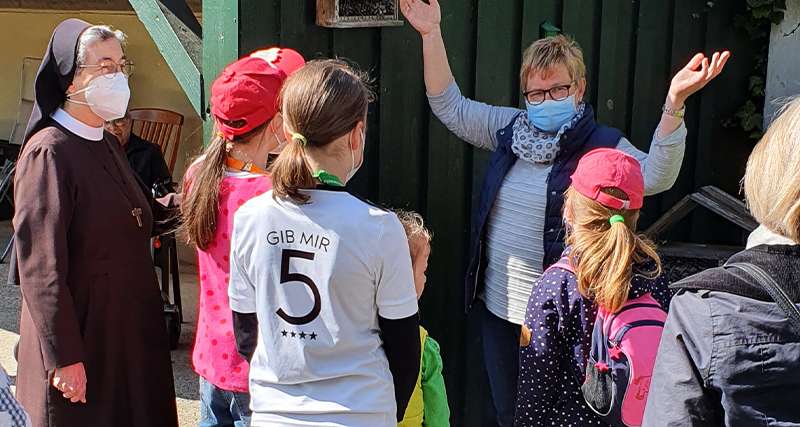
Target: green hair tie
[299, 137]
[615, 219]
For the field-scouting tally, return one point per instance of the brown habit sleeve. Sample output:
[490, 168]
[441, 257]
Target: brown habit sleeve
[44, 208]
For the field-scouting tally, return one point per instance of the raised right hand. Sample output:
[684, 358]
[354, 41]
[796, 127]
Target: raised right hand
[425, 18]
[71, 382]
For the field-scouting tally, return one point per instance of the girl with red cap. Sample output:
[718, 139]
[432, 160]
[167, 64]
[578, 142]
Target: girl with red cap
[232, 170]
[604, 265]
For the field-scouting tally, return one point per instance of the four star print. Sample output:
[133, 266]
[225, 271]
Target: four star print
[301, 335]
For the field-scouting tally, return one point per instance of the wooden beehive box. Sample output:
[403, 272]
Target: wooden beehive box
[358, 13]
[681, 260]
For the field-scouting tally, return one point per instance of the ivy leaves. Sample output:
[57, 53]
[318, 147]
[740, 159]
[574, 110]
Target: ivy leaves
[757, 22]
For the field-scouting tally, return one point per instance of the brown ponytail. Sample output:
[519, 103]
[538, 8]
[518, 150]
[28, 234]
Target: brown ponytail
[290, 173]
[605, 253]
[322, 102]
[201, 188]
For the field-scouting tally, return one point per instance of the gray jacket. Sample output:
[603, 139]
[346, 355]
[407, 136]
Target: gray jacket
[728, 359]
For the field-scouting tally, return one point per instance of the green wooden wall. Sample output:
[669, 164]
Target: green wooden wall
[631, 47]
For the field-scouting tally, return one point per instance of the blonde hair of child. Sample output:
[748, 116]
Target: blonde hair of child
[604, 253]
[418, 235]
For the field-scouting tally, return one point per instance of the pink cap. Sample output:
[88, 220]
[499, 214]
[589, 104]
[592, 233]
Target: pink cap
[609, 168]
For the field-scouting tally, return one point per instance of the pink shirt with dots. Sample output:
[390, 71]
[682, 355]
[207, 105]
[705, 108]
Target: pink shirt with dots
[214, 356]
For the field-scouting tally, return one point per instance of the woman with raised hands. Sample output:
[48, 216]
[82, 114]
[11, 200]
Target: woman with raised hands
[518, 230]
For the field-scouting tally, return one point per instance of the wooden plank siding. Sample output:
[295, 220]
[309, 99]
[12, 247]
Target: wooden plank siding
[618, 44]
[448, 205]
[581, 20]
[632, 48]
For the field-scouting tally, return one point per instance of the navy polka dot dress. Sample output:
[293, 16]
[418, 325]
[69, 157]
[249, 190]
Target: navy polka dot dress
[552, 366]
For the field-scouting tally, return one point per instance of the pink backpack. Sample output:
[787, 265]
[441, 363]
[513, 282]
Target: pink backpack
[622, 357]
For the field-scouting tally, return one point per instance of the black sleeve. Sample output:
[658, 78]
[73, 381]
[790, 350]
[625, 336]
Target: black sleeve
[159, 171]
[245, 329]
[403, 349]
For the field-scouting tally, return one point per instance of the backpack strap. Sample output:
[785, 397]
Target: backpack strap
[564, 264]
[774, 290]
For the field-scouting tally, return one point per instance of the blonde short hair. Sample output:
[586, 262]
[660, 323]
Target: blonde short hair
[772, 178]
[418, 235]
[548, 52]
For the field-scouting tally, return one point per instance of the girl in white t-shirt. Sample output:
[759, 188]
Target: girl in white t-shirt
[321, 283]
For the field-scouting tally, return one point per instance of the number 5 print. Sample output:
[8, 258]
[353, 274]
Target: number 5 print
[286, 256]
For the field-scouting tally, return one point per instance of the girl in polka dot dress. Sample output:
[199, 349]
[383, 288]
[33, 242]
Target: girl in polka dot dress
[231, 171]
[611, 264]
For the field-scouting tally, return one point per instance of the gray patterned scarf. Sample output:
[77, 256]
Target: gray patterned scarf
[537, 146]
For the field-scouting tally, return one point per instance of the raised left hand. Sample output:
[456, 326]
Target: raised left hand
[695, 75]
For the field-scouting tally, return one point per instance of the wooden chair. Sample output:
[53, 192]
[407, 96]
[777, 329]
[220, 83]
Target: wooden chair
[161, 127]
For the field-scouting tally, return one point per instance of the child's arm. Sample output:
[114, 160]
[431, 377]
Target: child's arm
[245, 330]
[539, 358]
[401, 344]
[242, 297]
[434, 394]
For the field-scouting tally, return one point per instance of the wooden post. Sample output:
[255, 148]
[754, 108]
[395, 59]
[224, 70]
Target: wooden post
[178, 44]
[220, 46]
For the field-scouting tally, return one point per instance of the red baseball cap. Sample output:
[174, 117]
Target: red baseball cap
[609, 168]
[248, 89]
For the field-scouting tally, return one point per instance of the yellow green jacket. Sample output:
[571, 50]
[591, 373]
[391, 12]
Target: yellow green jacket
[428, 404]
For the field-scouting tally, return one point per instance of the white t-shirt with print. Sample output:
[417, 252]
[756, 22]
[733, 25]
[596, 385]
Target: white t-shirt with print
[318, 275]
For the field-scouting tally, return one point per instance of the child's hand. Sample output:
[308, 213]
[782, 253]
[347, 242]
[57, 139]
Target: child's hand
[524, 336]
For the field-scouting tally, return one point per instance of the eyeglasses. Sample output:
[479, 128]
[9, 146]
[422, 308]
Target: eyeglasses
[118, 122]
[558, 93]
[108, 67]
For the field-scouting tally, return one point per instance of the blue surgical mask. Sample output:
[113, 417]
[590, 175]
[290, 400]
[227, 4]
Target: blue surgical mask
[550, 115]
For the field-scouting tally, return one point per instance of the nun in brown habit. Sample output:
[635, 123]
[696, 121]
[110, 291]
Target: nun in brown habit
[93, 347]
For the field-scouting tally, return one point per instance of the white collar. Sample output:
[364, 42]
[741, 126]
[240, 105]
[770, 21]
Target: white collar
[764, 236]
[76, 126]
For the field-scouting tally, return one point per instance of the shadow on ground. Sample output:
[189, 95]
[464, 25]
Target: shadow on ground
[186, 382]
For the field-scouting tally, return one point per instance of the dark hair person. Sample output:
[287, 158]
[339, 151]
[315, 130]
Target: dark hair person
[93, 348]
[326, 275]
[730, 351]
[145, 157]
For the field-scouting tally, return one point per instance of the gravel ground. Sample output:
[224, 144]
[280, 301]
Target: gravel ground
[186, 382]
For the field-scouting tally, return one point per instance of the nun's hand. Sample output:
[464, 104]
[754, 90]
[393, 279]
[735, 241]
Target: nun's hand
[695, 75]
[71, 382]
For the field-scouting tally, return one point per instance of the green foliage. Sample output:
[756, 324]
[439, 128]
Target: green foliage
[757, 22]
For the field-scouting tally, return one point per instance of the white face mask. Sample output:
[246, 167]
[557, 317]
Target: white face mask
[281, 144]
[353, 168]
[107, 96]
